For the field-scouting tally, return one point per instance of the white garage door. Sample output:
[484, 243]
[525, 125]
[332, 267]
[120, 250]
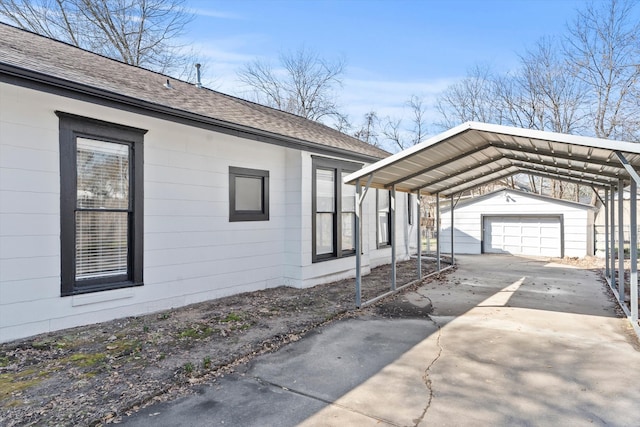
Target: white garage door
[522, 235]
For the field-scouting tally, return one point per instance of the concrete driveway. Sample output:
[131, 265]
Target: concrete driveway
[511, 341]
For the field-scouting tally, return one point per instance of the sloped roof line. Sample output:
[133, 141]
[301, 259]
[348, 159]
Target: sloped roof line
[31, 56]
[472, 151]
[542, 197]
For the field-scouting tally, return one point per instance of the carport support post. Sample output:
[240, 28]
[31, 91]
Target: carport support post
[621, 240]
[357, 245]
[613, 238]
[633, 250]
[419, 238]
[393, 237]
[437, 227]
[606, 234]
[452, 259]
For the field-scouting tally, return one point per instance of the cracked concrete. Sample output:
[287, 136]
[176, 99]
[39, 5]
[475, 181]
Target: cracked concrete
[511, 341]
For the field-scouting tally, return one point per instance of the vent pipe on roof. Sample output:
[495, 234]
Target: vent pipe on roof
[198, 81]
[168, 85]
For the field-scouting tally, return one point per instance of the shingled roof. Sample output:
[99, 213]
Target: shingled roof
[29, 56]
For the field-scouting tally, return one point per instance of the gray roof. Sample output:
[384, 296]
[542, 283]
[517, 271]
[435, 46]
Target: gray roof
[40, 59]
[475, 154]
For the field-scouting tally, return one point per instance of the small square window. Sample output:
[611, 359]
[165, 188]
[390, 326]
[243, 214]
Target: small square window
[248, 194]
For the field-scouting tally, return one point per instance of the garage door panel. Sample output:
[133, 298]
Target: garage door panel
[522, 235]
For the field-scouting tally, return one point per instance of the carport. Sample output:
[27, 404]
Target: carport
[474, 154]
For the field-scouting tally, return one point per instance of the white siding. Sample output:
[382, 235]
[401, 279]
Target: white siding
[468, 220]
[191, 250]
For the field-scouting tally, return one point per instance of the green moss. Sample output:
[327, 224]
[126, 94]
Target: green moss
[86, 360]
[196, 331]
[4, 361]
[232, 317]
[12, 383]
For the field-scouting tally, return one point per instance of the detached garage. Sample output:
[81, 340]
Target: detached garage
[511, 221]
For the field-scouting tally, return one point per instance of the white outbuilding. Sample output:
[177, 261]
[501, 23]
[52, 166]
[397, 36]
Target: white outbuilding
[516, 222]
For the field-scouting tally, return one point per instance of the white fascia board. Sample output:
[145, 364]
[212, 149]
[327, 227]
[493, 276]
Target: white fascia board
[351, 178]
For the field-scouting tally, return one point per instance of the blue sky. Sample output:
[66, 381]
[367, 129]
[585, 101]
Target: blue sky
[393, 49]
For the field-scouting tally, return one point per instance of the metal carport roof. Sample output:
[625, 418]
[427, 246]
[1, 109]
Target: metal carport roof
[474, 154]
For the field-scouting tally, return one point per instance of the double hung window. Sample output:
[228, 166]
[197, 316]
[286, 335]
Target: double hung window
[101, 205]
[334, 209]
[383, 226]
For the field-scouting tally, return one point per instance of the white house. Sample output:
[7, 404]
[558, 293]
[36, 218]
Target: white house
[512, 221]
[124, 192]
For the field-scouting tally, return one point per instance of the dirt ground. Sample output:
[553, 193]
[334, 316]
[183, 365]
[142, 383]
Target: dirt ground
[93, 375]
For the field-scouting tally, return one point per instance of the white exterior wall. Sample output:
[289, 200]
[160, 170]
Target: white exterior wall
[577, 219]
[192, 252]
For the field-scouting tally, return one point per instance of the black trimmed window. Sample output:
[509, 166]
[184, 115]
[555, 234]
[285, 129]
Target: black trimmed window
[248, 194]
[383, 223]
[101, 205]
[410, 204]
[334, 209]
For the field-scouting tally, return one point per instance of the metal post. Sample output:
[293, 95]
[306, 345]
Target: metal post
[437, 228]
[606, 234]
[357, 245]
[612, 261]
[621, 240]
[452, 260]
[633, 250]
[392, 208]
[419, 230]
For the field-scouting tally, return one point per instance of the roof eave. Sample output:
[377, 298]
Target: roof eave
[169, 112]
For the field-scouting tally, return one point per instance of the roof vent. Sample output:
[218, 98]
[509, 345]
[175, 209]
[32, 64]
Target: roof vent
[167, 85]
[198, 81]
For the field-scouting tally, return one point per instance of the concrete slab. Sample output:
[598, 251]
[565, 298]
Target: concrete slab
[326, 368]
[511, 341]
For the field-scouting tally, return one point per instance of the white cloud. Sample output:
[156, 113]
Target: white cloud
[214, 13]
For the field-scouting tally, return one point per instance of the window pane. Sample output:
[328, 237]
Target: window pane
[103, 174]
[383, 228]
[324, 233]
[101, 244]
[383, 200]
[325, 190]
[348, 227]
[248, 194]
[348, 197]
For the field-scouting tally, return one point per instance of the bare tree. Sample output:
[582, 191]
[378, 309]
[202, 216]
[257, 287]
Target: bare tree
[471, 99]
[603, 48]
[402, 137]
[139, 32]
[368, 131]
[305, 84]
